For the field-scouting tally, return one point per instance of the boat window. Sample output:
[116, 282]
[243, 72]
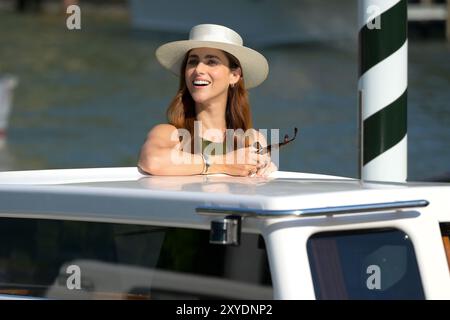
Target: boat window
[364, 264]
[445, 231]
[86, 260]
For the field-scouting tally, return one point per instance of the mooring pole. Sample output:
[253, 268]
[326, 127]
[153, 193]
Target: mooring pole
[382, 86]
[447, 23]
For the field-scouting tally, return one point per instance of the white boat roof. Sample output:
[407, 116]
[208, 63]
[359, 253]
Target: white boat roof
[126, 195]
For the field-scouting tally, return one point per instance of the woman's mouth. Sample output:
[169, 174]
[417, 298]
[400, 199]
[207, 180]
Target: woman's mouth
[200, 83]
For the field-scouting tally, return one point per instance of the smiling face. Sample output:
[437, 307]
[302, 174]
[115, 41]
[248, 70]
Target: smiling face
[208, 75]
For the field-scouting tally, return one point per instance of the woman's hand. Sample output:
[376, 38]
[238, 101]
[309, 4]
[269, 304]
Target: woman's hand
[240, 170]
[267, 166]
[244, 162]
[267, 170]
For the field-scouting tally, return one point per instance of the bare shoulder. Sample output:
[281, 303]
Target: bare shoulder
[163, 135]
[162, 129]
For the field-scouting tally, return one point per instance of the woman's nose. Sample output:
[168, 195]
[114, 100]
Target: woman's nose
[200, 68]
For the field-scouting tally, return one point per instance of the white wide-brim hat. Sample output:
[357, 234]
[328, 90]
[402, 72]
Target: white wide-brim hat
[254, 66]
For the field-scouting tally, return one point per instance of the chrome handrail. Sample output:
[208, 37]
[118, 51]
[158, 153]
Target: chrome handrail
[264, 213]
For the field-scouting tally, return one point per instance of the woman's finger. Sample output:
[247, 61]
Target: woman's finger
[267, 170]
[261, 171]
[252, 172]
[272, 168]
[262, 159]
[265, 162]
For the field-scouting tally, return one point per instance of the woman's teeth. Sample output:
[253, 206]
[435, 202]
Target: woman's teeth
[201, 83]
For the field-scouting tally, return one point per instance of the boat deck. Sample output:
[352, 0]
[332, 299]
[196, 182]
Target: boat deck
[125, 195]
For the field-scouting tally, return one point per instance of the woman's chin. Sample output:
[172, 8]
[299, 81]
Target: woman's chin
[200, 98]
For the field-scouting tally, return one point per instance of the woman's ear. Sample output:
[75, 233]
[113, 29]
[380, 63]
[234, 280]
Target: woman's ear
[235, 75]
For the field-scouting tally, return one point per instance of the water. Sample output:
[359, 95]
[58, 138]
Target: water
[87, 98]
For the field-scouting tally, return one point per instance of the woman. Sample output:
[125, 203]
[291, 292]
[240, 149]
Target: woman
[211, 102]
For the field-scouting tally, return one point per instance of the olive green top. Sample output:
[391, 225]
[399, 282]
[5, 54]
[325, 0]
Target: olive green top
[220, 147]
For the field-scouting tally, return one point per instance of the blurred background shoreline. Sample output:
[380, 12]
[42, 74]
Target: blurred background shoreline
[87, 98]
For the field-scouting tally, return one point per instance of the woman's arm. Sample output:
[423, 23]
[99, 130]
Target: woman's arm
[161, 154]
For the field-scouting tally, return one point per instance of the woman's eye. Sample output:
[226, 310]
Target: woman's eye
[192, 62]
[212, 62]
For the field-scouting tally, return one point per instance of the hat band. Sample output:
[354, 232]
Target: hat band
[221, 35]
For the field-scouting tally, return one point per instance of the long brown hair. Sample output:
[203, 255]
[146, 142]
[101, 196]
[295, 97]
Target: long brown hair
[181, 111]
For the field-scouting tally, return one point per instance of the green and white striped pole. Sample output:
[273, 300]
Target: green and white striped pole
[382, 85]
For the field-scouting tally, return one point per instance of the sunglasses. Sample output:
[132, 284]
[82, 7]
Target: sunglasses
[267, 149]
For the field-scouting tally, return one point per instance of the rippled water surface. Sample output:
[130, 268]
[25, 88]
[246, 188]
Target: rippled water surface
[88, 98]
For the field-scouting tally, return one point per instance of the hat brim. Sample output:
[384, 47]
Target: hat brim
[254, 66]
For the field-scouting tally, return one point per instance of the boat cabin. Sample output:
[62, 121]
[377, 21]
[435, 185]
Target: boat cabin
[114, 233]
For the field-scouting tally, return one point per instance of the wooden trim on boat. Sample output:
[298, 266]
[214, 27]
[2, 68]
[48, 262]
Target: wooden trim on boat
[446, 240]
